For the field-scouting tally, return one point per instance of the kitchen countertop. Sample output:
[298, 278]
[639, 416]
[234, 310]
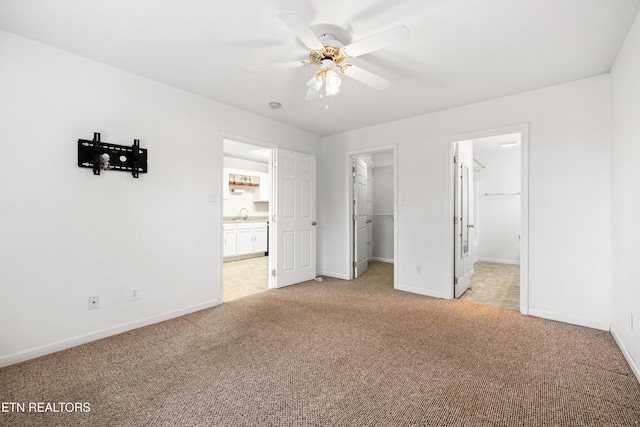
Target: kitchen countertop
[233, 219]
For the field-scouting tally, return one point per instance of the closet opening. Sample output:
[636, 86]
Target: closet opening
[373, 213]
[489, 204]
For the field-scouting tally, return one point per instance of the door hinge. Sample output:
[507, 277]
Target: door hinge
[355, 264]
[455, 159]
[455, 219]
[273, 273]
[353, 169]
[455, 280]
[354, 217]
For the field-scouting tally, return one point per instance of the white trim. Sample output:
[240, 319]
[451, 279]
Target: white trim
[103, 333]
[499, 261]
[349, 186]
[524, 225]
[632, 363]
[335, 275]
[389, 260]
[523, 129]
[424, 292]
[603, 326]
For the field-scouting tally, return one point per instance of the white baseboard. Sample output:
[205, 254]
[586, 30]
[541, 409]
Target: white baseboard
[387, 260]
[632, 364]
[499, 261]
[603, 326]
[424, 292]
[334, 275]
[103, 333]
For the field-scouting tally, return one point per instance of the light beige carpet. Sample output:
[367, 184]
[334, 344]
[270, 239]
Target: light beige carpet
[336, 353]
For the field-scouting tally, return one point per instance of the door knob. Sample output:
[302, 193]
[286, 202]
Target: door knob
[369, 221]
[314, 223]
[470, 225]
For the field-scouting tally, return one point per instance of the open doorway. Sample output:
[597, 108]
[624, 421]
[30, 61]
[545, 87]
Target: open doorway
[489, 194]
[373, 212]
[247, 194]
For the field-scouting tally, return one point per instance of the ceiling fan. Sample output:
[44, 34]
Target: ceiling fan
[332, 56]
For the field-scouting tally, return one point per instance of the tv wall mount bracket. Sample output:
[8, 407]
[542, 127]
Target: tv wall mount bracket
[99, 155]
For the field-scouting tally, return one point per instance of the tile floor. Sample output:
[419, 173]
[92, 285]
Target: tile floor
[495, 284]
[245, 277]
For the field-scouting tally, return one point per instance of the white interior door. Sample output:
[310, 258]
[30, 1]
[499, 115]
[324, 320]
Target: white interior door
[360, 218]
[464, 227]
[294, 220]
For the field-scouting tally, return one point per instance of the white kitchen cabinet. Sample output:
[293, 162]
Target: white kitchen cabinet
[264, 193]
[230, 240]
[245, 238]
[260, 237]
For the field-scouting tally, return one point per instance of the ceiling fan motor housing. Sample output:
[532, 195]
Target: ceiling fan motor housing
[333, 50]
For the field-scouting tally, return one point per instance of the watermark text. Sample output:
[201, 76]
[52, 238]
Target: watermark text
[27, 407]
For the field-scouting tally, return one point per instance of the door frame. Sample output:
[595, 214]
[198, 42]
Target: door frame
[350, 155]
[272, 205]
[523, 130]
[357, 210]
[463, 265]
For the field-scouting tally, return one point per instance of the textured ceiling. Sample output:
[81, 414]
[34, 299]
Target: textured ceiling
[460, 51]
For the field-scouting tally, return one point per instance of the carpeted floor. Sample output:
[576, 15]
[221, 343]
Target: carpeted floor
[336, 353]
[495, 284]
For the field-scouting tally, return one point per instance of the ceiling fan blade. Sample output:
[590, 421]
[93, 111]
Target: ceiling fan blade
[366, 77]
[276, 66]
[300, 29]
[378, 41]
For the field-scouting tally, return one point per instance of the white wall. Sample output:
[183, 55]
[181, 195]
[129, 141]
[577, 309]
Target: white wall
[625, 190]
[66, 234]
[498, 216]
[570, 132]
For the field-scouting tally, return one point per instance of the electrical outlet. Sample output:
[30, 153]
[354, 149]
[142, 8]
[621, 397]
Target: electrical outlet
[135, 294]
[94, 302]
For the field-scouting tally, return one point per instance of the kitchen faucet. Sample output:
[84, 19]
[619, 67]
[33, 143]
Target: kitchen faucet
[246, 215]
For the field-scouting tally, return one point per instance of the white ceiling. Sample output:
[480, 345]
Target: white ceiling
[460, 52]
[244, 151]
[492, 144]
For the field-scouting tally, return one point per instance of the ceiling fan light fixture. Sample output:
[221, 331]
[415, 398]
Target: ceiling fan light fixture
[330, 55]
[315, 82]
[332, 83]
[330, 91]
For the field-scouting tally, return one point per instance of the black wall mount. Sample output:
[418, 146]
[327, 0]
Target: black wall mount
[99, 155]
